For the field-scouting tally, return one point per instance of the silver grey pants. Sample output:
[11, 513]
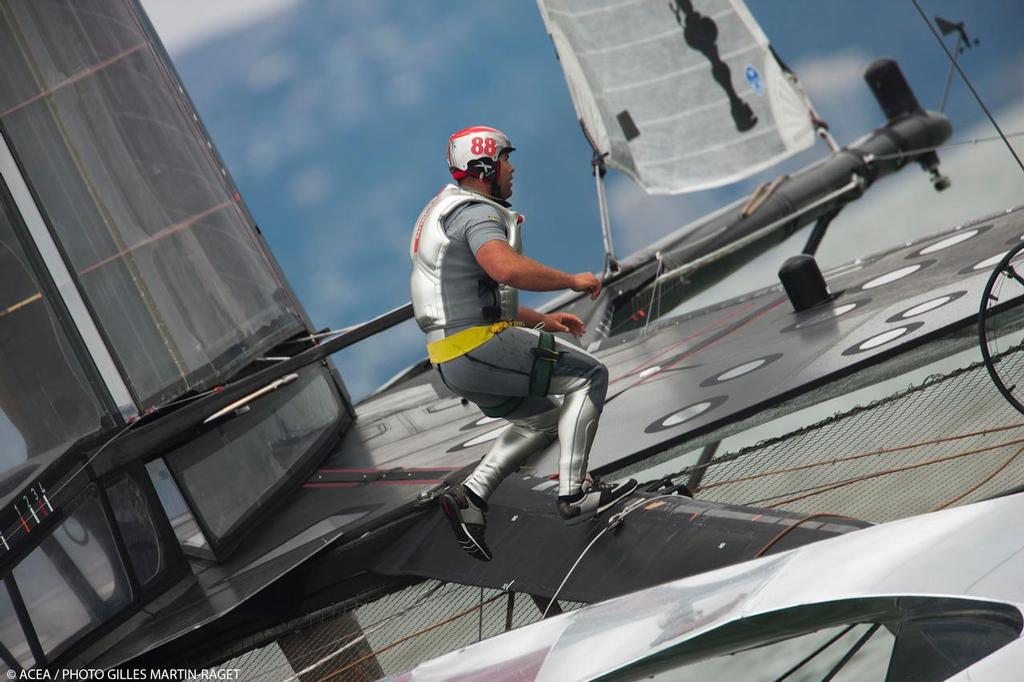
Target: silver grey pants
[499, 370]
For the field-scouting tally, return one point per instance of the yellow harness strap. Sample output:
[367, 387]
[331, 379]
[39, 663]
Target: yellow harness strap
[462, 342]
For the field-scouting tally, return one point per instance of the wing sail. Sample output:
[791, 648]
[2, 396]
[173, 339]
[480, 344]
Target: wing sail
[681, 95]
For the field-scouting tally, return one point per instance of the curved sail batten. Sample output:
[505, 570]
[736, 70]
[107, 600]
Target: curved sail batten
[681, 95]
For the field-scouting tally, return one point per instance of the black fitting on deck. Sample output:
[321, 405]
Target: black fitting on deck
[804, 284]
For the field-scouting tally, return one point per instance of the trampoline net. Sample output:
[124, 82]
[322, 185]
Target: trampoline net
[951, 440]
[391, 634]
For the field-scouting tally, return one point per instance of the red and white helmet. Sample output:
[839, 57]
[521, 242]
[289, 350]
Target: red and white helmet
[475, 151]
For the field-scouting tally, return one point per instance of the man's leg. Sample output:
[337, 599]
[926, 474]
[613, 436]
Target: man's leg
[582, 380]
[508, 367]
[524, 436]
[466, 505]
[508, 374]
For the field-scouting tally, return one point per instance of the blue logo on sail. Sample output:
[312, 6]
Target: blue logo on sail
[753, 77]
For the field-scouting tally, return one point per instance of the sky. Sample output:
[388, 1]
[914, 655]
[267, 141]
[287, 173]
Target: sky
[332, 118]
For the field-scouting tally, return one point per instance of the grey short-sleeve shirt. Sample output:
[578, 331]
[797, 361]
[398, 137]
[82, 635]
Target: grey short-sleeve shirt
[476, 224]
[463, 293]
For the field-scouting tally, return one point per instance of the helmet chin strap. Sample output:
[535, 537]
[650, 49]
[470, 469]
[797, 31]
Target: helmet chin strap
[495, 189]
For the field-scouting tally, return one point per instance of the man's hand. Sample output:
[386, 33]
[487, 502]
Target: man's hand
[504, 265]
[586, 281]
[564, 322]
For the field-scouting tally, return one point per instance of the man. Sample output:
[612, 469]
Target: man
[467, 267]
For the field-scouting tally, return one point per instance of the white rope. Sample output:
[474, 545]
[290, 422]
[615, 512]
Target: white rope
[654, 292]
[613, 522]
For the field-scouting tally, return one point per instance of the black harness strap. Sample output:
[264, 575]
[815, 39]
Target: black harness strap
[491, 313]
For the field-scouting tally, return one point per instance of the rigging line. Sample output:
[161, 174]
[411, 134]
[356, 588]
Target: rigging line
[785, 531]
[19, 527]
[852, 652]
[980, 483]
[884, 471]
[817, 490]
[418, 602]
[809, 657]
[654, 292]
[713, 341]
[949, 75]
[325, 614]
[967, 81]
[838, 460]
[958, 143]
[853, 413]
[850, 458]
[613, 522]
[406, 638]
[649, 361]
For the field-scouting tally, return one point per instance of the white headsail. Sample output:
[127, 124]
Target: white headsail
[682, 95]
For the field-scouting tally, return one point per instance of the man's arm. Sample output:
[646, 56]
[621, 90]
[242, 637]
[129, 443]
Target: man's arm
[553, 322]
[529, 316]
[504, 265]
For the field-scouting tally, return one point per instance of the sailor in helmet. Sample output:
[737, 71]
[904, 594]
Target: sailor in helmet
[467, 269]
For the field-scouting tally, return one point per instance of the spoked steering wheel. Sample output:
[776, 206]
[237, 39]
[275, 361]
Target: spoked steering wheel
[1003, 292]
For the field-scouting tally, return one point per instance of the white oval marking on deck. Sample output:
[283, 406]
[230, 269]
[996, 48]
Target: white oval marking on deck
[741, 370]
[883, 338]
[687, 414]
[922, 308]
[947, 242]
[890, 277]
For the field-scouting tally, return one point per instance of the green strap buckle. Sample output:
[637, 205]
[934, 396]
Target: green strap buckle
[544, 358]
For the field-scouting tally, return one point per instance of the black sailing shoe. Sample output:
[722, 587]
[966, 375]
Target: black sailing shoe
[594, 499]
[467, 521]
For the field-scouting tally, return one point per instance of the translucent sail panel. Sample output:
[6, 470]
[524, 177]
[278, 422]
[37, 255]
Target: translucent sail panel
[165, 254]
[186, 529]
[138, 528]
[46, 403]
[683, 94]
[12, 635]
[232, 470]
[74, 580]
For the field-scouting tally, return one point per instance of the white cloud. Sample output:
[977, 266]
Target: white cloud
[309, 186]
[638, 218]
[183, 24]
[264, 152]
[271, 70]
[386, 42]
[367, 365]
[332, 289]
[351, 264]
[835, 85]
[833, 75]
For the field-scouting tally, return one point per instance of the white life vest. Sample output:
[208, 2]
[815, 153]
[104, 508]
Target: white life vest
[443, 301]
